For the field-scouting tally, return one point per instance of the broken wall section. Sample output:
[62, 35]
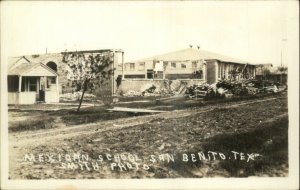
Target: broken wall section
[155, 87]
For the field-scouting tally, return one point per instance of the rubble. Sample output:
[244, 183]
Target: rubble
[75, 96]
[131, 93]
[201, 89]
[229, 89]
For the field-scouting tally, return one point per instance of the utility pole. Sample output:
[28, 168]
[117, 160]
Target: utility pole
[282, 41]
[281, 58]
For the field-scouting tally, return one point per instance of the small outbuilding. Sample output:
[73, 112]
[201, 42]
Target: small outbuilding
[30, 83]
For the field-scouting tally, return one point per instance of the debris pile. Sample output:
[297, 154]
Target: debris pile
[131, 93]
[75, 96]
[149, 91]
[227, 88]
[175, 85]
[200, 91]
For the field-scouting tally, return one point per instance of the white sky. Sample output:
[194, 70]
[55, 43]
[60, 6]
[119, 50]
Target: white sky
[251, 31]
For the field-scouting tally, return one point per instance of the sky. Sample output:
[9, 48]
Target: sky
[254, 31]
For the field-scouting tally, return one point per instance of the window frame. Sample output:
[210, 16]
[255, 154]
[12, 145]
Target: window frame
[131, 66]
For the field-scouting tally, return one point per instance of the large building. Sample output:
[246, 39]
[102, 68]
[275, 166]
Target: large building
[188, 63]
[42, 77]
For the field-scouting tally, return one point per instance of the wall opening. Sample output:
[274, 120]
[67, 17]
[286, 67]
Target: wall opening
[52, 65]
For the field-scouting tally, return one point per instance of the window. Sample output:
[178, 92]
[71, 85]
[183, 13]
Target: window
[141, 66]
[32, 84]
[173, 65]
[199, 74]
[183, 66]
[158, 75]
[133, 77]
[149, 74]
[131, 66]
[194, 64]
[165, 64]
[52, 80]
[13, 83]
[52, 65]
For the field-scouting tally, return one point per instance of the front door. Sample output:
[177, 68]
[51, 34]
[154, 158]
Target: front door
[41, 96]
[41, 89]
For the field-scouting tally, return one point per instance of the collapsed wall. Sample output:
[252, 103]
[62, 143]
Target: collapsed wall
[145, 87]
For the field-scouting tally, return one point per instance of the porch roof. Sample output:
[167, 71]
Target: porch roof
[32, 69]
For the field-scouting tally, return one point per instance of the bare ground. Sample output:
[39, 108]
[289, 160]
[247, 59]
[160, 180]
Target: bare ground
[163, 145]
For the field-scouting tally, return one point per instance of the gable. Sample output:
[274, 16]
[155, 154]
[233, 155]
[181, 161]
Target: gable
[14, 62]
[39, 70]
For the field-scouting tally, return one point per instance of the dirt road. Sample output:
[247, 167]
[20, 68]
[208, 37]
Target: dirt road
[172, 133]
[25, 138]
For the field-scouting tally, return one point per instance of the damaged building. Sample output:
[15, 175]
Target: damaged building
[167, 72]
[188, 64]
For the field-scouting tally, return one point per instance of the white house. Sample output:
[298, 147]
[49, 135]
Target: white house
[29, 83]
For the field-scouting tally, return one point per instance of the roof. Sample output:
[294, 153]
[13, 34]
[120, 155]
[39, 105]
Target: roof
[15, 61]
[25, 68]
[192, 54]
[274, 70]
[264, 65]
[95, 51]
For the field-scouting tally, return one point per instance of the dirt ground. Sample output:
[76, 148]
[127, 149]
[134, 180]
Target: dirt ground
[229, 139]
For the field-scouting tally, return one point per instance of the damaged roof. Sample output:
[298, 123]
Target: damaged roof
[192, 54]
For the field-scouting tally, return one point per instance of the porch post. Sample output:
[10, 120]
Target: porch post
[217, 71]
[20, 83]
[57, 88]
[204, 71]
[122, 65]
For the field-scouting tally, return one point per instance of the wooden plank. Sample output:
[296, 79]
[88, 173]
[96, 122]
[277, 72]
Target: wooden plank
[134, 110]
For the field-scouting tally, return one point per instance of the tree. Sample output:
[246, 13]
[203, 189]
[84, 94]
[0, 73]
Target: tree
[266, 72]
[282, 69]
[87, 71]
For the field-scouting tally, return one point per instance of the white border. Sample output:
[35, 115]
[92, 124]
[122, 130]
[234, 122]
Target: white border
[290, 182]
